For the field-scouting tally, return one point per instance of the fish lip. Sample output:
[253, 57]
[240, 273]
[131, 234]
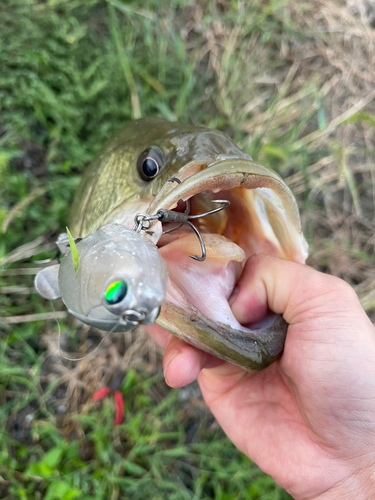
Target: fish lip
[235, 172]
[254, 351]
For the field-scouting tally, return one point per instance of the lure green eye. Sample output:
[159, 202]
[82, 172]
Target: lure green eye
[116, 292]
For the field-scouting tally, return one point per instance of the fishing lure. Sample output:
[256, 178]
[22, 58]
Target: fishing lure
[120, 280]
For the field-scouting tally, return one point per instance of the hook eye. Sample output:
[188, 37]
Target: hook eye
[134, 317]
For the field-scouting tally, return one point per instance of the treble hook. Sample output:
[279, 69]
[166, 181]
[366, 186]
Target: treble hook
[184, 218]
[143, 222]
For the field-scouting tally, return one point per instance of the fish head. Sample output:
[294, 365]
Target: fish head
[134, 167]
[152, 164]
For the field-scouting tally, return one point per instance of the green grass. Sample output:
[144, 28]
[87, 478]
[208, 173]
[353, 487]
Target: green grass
[72, 73]
[156, 451]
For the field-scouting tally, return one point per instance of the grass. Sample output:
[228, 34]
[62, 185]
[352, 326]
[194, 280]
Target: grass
[291, 83]
[157, 451]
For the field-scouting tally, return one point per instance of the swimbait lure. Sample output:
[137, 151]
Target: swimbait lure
[120, 280]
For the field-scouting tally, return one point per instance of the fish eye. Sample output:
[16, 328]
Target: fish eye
[150, 163]
[116, 292]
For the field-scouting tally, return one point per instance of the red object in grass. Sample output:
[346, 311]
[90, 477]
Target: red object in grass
[119, 402]
[119, 408]
[101, 393]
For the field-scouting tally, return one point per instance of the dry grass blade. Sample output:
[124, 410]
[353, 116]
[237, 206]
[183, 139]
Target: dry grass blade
[18, 209]
[126, 9]
[332, 126]
[21, 271]
[22, 290]
[26, 251]
[12, 320]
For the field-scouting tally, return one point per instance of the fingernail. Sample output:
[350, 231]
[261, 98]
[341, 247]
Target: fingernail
[171, 356]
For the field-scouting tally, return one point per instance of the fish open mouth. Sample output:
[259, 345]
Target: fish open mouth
[262, 218]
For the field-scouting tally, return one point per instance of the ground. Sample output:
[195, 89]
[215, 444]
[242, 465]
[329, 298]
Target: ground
[292, 83]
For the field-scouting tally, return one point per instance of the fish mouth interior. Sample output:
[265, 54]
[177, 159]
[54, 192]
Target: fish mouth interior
[256, 221]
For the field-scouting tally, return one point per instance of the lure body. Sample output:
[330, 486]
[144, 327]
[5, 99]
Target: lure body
[120, 276]
[120, 279]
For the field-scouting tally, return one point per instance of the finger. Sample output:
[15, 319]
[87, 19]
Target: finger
[183, 363]
[160, 336]
[296, 291]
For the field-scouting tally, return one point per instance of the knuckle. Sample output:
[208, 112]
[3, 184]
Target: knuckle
[324, 295]
[340, 287]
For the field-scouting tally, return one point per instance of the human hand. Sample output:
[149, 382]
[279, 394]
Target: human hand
[308, 420]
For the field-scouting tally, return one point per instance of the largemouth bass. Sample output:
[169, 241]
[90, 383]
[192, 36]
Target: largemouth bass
[153, 165]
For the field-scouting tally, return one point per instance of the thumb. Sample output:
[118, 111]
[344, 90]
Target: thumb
[298, 292]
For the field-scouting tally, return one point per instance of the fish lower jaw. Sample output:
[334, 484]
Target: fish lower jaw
[205, 288]
[205, 285]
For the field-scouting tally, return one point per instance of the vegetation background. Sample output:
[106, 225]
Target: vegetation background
[292, 82]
